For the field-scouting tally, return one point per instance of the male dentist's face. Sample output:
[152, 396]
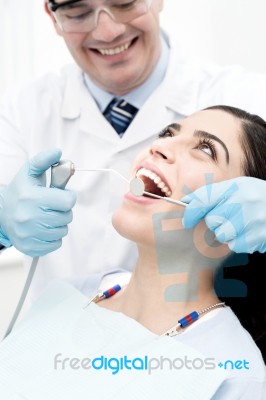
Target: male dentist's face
[118, 57]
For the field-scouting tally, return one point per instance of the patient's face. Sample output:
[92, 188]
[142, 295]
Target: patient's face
[205, 143]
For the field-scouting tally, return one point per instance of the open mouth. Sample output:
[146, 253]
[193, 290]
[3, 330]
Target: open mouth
[153, 183]
[116, 50]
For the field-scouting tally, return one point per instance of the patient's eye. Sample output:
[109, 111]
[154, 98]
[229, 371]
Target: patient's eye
[166, 132]
[208, 147]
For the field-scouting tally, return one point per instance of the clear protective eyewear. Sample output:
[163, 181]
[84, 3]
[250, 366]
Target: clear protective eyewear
[76, 16]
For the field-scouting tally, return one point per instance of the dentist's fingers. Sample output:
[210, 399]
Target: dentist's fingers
[42, 161]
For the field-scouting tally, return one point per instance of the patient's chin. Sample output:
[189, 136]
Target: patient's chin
[132, 228]
[120, 222]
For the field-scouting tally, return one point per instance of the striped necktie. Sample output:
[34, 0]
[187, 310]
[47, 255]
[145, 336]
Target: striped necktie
[120, 114]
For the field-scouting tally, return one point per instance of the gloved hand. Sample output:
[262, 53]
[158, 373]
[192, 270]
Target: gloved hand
[235, 210]
[33, 217]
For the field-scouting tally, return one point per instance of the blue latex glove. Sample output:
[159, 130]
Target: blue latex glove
[33, 217]
[235, 210]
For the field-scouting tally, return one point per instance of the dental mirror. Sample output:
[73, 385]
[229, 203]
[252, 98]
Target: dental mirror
[137, 187]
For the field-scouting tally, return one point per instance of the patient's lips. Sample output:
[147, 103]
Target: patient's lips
[152, 183]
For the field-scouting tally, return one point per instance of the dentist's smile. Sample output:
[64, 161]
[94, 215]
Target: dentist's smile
[114, 52]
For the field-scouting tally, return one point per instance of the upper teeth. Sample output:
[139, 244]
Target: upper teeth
[156, 179]
[116, 50]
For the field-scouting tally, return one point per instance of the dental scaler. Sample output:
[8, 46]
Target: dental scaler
[61, 172]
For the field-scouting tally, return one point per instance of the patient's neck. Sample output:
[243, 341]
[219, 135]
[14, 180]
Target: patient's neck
[158, 295]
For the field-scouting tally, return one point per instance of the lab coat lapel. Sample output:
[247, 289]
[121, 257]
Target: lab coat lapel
[93, 123]
[79, 104]
[151, 118]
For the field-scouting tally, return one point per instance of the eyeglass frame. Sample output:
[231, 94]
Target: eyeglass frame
[53, 6]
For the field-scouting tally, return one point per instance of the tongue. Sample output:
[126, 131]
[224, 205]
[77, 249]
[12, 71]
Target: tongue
[151, 187]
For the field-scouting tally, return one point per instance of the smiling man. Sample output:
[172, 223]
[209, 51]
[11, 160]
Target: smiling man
[116, 43]
[129, 79]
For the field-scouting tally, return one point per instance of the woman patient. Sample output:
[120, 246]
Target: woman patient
[174, 273]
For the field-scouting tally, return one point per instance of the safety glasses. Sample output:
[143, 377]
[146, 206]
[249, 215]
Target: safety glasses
[76, 16]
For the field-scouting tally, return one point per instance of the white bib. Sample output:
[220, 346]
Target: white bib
[49, 354]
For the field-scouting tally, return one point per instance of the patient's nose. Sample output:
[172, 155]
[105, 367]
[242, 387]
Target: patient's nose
[163, 149]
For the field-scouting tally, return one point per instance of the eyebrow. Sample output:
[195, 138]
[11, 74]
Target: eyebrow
[207, 135]
[203, 134]
[175, 126]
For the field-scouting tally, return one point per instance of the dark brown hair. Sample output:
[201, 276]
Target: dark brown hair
[251, 307]
[252, 140]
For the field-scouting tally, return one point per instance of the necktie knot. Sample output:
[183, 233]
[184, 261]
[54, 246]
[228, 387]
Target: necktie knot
[120, 114]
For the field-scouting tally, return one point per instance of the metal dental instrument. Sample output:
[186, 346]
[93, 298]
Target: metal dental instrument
[137, 187]
[103, 170]
[60, 175]
[61, 172]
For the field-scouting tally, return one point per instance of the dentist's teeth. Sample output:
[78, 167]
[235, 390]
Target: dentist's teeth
[116, 50]
[156, 179]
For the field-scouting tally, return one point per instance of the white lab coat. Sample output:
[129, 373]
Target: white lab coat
[58, 111]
